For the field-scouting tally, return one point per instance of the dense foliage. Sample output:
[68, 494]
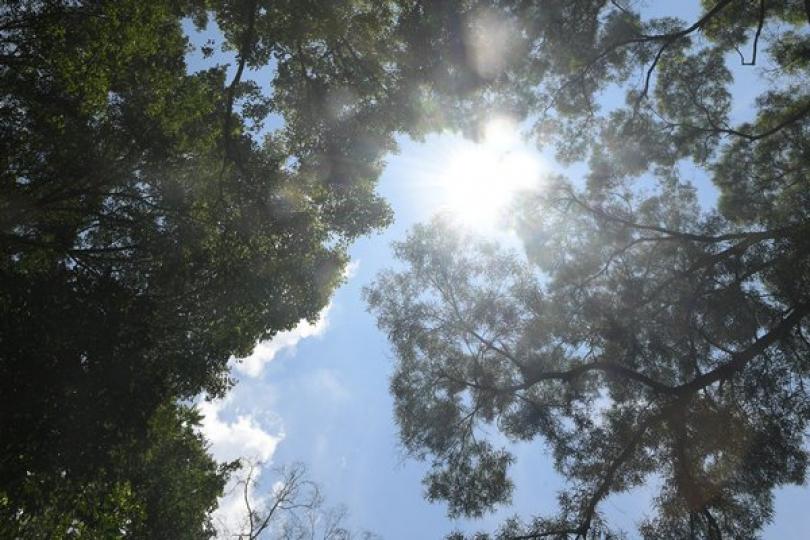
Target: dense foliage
[147, 232]
[164, 485]
[644, 338]
[151, 229]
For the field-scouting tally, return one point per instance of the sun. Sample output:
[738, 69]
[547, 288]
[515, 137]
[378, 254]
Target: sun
[480, 179]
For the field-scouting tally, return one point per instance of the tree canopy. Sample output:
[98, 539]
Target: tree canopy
[151, 229]
[147, 235]
[164, 485]
[644, 338]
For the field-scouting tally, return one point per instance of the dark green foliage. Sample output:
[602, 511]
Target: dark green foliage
[175, 480]
[474, 479]
[145, 236]
[163, 486]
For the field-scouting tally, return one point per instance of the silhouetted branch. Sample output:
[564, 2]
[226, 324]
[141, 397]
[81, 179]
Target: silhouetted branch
[667, 39]
[244, 50]
[741, 358]
[756, 37]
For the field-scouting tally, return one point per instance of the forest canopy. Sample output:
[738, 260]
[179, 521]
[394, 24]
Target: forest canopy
[152, 228]
[644, 338]
[148, 237]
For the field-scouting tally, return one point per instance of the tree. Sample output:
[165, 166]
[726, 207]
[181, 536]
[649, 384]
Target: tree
[146, 235]
[293, 510]
[175, 479]
[165, 487]
[637, 335]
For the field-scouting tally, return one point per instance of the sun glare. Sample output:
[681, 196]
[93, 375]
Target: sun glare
[480, 179]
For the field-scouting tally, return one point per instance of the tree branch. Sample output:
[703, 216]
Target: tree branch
[668, 39]
[244, 47]
[756, 36]
[603, 487]
[680, 235]
[800, 113]
[741, 359]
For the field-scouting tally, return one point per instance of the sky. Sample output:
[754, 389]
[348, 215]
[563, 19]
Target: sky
[319, 393]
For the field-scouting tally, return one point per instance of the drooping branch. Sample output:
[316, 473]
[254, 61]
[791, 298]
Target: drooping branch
[609, 478]
[604, 366]
[684, 476]
[671, 39]
[715, 128]
[800, 113]
[531, 377]
[707, 262]
[648, 77]
[671, 234]
[568, 376]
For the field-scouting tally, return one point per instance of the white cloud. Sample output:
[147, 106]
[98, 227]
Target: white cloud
[242, 438]
[266, 351]
[235, 432]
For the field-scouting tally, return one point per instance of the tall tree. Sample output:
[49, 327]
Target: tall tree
[638, 335]
[146, 236]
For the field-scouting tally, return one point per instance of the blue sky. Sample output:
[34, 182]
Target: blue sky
[319, 394]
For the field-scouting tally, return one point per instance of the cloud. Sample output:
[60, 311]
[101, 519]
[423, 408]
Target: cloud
[235, 427]
[242, 438]
[266, 351]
